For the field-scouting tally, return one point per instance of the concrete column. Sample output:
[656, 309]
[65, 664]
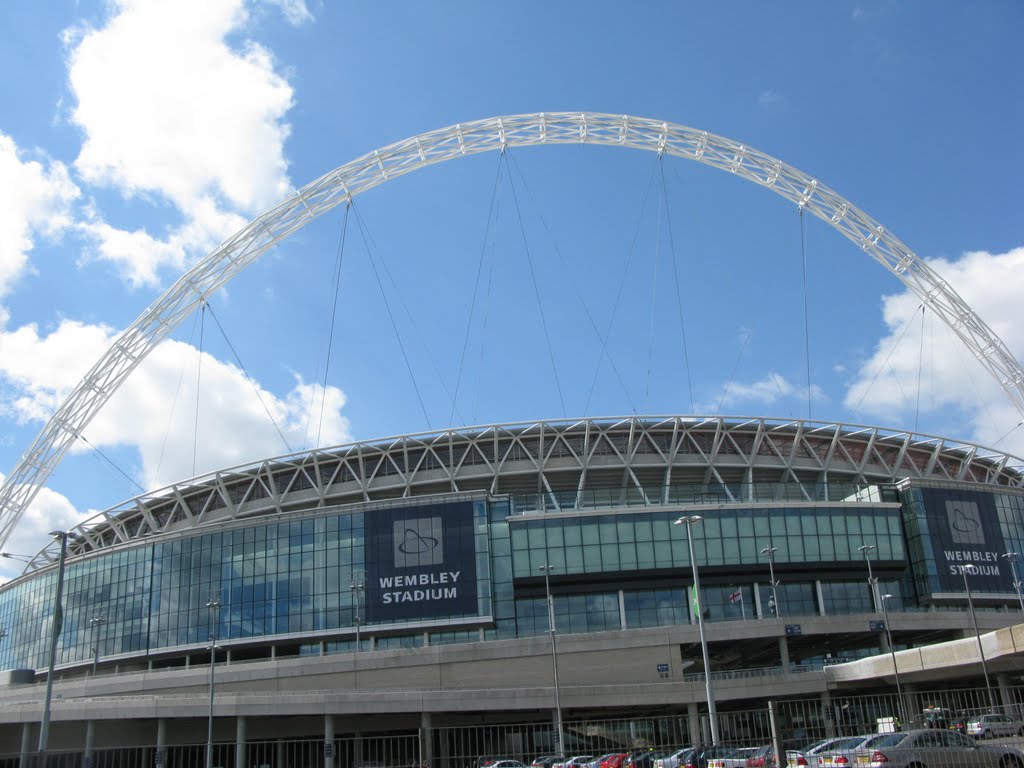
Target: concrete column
[757, 601]
[357, 748]
[693, 721]
[622, 609]
[784, 653]
[821, 597]
[161, 743]
[444, 754]
[90, 740]
[240, 761]
[827, 715]
[1003, 681]
[279, 756]
[328, 741]
[25, 758]
[426, 739]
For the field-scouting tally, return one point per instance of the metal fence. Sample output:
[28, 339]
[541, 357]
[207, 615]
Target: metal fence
[797, 723]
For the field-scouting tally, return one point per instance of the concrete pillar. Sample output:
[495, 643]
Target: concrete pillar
[828, 715]
[757, 601]
[279, 756]
[328, 741]
[426, 739]
[622, 609]
[693, 722]
[240, 761]
[784, 654]
[161, 743]
[90, 740]
[444, 754]
[25, 758]
[821, 597]
[357, 748]
[1003, 681]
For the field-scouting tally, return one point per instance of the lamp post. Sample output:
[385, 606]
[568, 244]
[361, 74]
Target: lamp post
[1012, 558]
[58, 622]
[357, 585]
[903, 711]
[689, 521]
[770, 552]
[96, 621]
[554, 654]
[214, 605]
[866, 550]
[977, 635]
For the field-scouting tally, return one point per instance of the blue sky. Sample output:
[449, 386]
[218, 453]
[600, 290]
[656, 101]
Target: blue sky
[135, 136]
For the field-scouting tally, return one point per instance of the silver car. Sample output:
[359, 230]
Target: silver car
[934, 748]
[990, 726]
[839, 750]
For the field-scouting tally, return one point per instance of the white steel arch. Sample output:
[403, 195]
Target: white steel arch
[496, 133]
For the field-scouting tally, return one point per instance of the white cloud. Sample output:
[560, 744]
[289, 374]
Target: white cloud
[294, 11]
[768, 390]
[49, 511]
[171, 110]
[35, 201]
[886, 385]
[154, 410]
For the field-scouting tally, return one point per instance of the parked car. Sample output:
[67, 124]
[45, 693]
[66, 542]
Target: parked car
[734, 757]
[937, 717]
[990, 726]
[574, 762]
[933, 747]
[643, 758]
[671, 759]
[506, 764]
[615, 760]
[704, 757]
[546, 761]
[839, 753]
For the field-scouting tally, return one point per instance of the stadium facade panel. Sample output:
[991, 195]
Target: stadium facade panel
[377, 549]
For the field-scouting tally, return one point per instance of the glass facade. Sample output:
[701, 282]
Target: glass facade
[291, 582]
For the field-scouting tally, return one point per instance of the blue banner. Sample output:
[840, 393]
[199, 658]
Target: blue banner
[420, 562]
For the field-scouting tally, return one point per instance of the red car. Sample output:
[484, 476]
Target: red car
[614, 760]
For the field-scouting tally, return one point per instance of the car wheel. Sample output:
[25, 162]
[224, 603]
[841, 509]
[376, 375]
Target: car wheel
[1011, 761]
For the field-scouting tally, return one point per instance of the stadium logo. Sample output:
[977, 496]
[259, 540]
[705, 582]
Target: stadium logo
[965, 522]
[418, 542]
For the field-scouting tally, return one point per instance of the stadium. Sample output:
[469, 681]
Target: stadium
[520, 588]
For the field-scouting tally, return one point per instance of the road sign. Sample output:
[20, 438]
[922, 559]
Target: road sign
[793, 629]
[877, 626]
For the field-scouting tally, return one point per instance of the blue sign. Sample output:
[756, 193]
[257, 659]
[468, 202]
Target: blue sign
[663, 667]
[793, 629]
[877, 626]
[966, 535]
[420, 562]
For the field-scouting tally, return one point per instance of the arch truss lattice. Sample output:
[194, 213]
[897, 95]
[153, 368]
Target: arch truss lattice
[345, 182]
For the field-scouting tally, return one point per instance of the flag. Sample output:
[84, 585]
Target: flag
[695, 601]
[736, 597]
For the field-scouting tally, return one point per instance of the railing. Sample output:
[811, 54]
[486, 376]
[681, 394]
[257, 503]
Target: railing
[688, 494]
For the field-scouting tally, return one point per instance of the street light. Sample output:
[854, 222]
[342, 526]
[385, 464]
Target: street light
[689, 521]
[96, 621]
[1013, 557]
[977, 635]
[866, 550]
[904, 712]
[554, 653]
[770, 552]
[357, 586]
[58, 622]
[214, 605]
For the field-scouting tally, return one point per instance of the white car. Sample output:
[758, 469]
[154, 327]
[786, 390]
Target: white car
[671, 760]
[991, 726]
